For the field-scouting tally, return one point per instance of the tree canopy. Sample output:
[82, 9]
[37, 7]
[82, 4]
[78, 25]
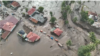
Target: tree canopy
[92, 37]
[53, 19]
[69, 43]
[84, 15]
[40, 9]
[85, 50]
[72, 1]
[5, 2]
[91, 21]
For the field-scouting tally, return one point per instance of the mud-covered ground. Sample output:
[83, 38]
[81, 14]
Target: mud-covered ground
[42, 48]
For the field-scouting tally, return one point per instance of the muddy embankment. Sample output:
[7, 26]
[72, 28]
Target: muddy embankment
[85, 26]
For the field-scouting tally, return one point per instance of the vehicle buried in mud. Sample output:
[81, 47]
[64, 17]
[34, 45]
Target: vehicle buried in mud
[30, 37]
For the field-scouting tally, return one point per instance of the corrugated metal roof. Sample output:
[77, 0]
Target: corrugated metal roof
[38, 17]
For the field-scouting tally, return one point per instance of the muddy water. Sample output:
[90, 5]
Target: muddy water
[42, 48]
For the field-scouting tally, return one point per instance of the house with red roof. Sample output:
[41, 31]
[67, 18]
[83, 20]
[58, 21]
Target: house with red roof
[32, 37]
[8, 25]
[36, 17]
[56, 31]
[15, 5]
[31, 11]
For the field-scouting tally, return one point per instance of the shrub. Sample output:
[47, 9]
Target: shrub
[84, 15]
[5, 2]
[40, 9]
[75, 19]
[92, 37]
[26, 9]
[23, 14]
[85, 50]
[53, 19]
[68, 9]
[72, 1]
[66, 22]
[63, 4]
[51, 14]
[91, 21]
[69, 43]
[79, 2]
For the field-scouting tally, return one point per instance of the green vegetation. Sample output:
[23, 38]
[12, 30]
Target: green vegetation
[63, 4]
[85, 50]
[26, 9]
[51, 14]
[65, 10]
[84, 15]
[91, 21]
[64, 15]
[92, 37]
[68, 9]
[79, 1]
[72, 1]
[75, 19]
[52, 20]
[69, 43]
[40, 9]
[66, 22]
[23, 14]
[5, 2]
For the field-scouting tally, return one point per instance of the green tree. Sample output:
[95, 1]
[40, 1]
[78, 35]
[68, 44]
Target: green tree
[68, 9]
[5, 2]
[92, 37]
[26, 9]
[52, 20]
[66, 22]
[84, 16]
[40, 9]
[75, 19]
[63, 4]
[79, 2]
[65, 10]
[23, 14]
[69, 43]
[91, 21]
[64, 15]
[72, 1]
[85, 50]
[51, 14]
